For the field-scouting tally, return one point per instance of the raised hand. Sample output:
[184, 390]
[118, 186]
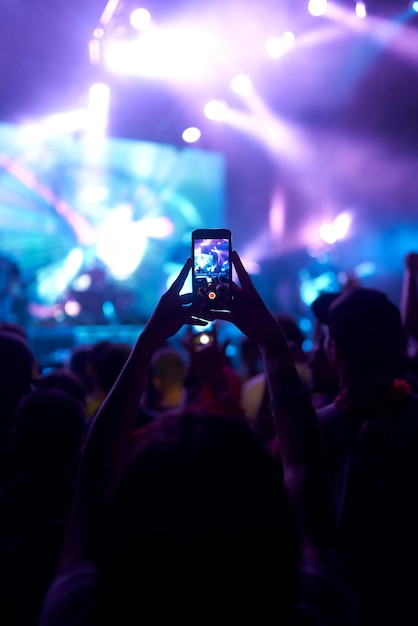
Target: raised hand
[247, 309]
[173, 310]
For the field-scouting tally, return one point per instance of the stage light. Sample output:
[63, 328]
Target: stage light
[99, 94]
[338, 230]
[98, 108]
[216, 110]
[327, 233]
[140, 19]
[55, 125]
[414, 6]
[72, 308]
[361, 10]
[94, 51]
[82, 282]
[121, 242]
[94, 194]
[317, 7]
[278, 46]
[341, 225]
[191, 134]
[177, 55]
[241, 84]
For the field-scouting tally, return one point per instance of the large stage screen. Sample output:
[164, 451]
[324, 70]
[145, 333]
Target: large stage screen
[93, 229]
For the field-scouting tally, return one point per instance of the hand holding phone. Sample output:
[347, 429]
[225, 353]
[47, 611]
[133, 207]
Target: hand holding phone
[212, 270]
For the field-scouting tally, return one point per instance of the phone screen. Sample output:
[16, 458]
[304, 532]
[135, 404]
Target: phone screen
[211, 249]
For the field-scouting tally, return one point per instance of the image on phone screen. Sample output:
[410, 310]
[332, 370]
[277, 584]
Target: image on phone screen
[212, 271]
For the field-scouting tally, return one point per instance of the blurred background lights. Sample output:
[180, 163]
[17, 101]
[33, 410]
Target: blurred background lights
[327, 233]
[72, 308]
[415, 6]
[338, 230]
[278, 46]
[317, 7]
[361, 10]
[341, 225]
[98, 93]
[140, 19]
[172, 55]
[241, 84]
[204, 339]
[82, 282]
[98, 108]
[191, 134]
[94, 194]
[216, 110]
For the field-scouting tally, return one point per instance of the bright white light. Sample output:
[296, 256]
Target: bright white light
[72, 308]
[278, 46]
[327, 233]
[55, 125]
[94, 51]
[82, 282]
[216, 110]
[174, 55]
[98, 108]
[98, 93]
[204, 339]
[288, 37]
[361, 10]
[92, 195]
[317, 7]
[121, 242]
[414, 6]
[156, 227]
[341, 225]
[98, 33]
[191, 134]
[140, 19]
[241, 84]
[330, 233]
[54, 279]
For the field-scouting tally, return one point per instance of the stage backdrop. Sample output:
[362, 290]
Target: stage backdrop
[97, 227]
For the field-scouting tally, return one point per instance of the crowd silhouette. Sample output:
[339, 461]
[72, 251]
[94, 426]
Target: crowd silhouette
[145, 483]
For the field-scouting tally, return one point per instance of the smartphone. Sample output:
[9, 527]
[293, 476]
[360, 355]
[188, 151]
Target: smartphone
[212, 269]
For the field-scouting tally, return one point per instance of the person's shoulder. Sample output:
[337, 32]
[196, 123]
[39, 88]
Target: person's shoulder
[69, 600]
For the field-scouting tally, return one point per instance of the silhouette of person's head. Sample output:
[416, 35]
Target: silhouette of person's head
[109, 363]
[199, 521]
[166, 376]
[366, 327]
[16, 368]
[49, 429]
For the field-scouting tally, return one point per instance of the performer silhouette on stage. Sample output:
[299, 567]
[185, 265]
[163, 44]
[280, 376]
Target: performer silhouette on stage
[12, 300]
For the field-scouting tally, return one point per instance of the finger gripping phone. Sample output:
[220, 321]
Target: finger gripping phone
[211, 254]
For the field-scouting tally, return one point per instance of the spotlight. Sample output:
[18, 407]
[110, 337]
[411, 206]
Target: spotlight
[278, 46]
[216, 109]
[191, 134]
[361, 10]
[414, 6]
[140, 19]
[317, 7]
[241, 84]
